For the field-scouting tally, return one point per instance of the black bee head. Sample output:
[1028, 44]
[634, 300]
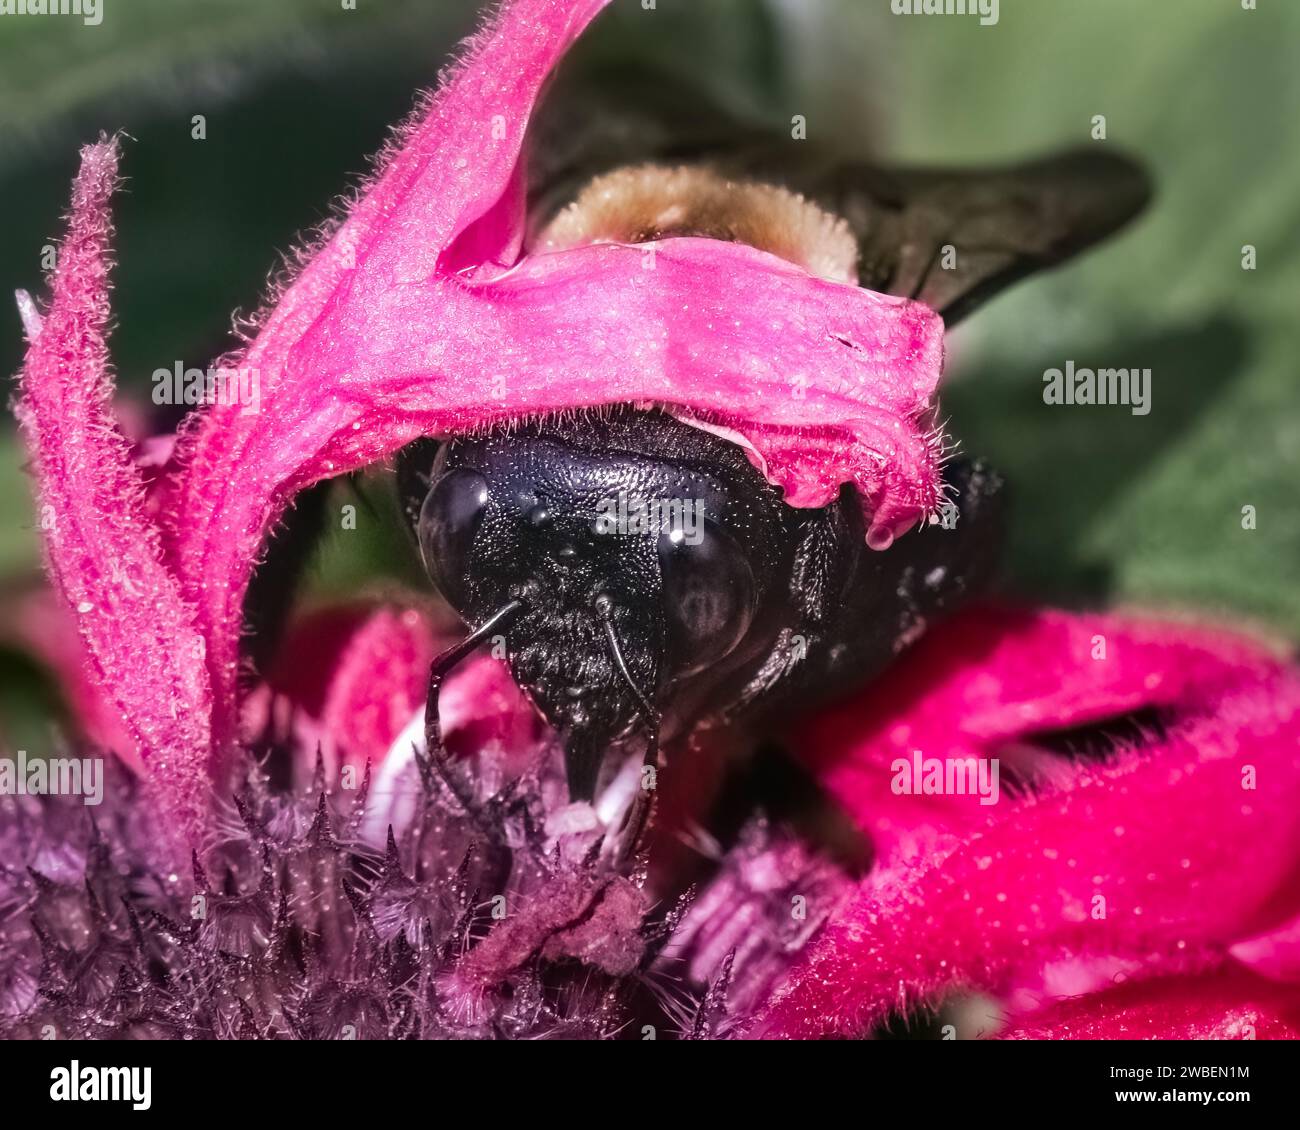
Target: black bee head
[646, 556]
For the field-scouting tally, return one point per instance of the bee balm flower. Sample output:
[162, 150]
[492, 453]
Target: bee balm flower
[305, 896]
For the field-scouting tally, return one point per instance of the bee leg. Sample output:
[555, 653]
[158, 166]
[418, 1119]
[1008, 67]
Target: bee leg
[637, 823]
[638, 819]
[434, 754]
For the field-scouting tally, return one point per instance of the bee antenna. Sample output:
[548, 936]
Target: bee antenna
[604, 609]
[439, 669]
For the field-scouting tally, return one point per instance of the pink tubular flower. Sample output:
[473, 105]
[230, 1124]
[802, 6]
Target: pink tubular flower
[1136, 875]
[1181, 845]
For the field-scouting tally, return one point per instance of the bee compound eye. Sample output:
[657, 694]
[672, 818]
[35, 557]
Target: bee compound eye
[450, 518]
[708, 588]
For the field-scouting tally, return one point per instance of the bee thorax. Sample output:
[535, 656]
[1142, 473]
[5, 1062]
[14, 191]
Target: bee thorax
[639, 204]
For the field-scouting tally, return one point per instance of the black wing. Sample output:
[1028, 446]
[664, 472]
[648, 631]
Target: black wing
[997, 225]
[1000, 223]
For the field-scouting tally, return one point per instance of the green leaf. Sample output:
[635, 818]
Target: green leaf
[1143, 510]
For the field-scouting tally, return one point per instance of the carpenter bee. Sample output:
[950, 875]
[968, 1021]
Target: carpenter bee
[642, 574]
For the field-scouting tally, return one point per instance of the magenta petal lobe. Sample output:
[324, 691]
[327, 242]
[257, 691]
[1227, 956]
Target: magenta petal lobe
[104, 553]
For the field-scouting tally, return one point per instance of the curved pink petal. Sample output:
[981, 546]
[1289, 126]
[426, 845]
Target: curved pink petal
[415, 318]
[1226, 1005]
[485, 719]
[985, 683]
[361, 672]
[484, 713]
[1179, 849]
[358, 674]
[104, 555]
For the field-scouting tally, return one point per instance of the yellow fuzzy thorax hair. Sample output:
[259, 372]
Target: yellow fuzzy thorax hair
[638, 204]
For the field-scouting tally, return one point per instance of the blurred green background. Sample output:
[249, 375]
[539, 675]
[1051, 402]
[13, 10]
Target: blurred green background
[1109, 507]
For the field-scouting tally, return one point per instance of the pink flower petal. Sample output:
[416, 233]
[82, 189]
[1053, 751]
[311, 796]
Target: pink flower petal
[485, 719]
[41, 624]
[987, 681]
[415, 318]
[1222, 1006]
[1274, 954]
[104, 555]
[361, 672]
[485, 713]
[1192, 842]
[357, 676]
